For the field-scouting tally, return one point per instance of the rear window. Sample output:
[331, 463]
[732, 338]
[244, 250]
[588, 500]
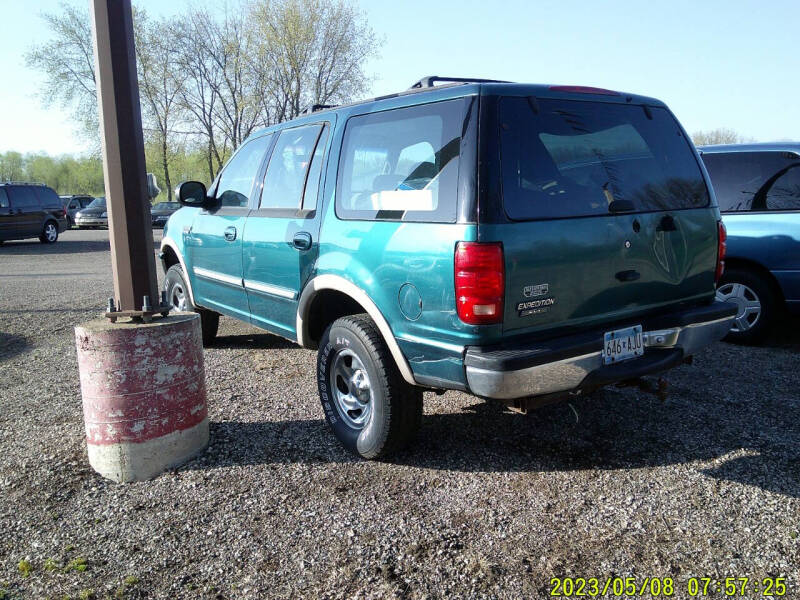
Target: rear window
[402, 164]
[568, 158]
[758, 181]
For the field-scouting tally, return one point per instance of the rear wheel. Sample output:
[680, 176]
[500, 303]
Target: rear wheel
[755, 302]
[178, 298]
[371, 409]
[49, 233]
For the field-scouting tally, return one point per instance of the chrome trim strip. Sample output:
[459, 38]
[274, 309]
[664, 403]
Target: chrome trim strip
[567, 374]
[270, 290]
[215, 276]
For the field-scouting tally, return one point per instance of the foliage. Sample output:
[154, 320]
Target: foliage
[69, 175]
[722, 135]
[207, 79]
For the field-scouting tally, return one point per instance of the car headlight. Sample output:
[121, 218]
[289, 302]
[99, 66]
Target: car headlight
[104, 215]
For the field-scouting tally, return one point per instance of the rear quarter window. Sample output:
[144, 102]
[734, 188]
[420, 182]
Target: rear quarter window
[48, 198]
[745, 181]
[567, 158]
[402, 164]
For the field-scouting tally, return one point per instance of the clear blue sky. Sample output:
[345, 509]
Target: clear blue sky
[716, 63]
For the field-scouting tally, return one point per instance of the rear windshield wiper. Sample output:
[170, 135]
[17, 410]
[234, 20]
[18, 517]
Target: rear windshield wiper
[617, 206]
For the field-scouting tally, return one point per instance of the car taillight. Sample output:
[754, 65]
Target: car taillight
[480, 282]
[722, 247]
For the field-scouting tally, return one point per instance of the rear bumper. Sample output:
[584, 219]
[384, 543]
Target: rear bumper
[574, 362]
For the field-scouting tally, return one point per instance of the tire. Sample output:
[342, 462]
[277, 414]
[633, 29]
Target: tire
[49, 233]
[367, 403]
[756, 302]
[177, 289]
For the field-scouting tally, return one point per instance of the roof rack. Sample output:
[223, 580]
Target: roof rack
[427, 82]
[312, 108]
[22, 183]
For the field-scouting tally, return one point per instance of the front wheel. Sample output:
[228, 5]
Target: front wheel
[755, 302]
[49, 234]
[371, 409]
[178, 298]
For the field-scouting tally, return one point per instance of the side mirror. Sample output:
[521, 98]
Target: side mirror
[192, 193]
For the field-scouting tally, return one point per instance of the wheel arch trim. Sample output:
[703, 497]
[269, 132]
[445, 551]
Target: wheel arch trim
[168, 242]
[340, 284]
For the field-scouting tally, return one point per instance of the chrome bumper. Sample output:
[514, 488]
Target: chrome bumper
[568, 374]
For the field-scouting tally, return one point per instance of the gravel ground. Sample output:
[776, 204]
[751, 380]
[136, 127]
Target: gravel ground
[488, 504]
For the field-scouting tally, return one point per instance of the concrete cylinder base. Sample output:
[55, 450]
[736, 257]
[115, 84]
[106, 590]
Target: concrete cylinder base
[144, 394]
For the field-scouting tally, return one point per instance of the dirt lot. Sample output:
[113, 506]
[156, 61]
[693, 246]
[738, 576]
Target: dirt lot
[488, 504]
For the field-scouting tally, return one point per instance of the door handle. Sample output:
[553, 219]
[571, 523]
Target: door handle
[230, 234]
[302, 240]
[631, 275]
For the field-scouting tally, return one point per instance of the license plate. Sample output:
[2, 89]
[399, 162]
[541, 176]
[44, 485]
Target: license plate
[622, 344]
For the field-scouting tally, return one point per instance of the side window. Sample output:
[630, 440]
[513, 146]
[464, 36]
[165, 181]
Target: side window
[315, 172]
[784, 194]
[285, 179]
[402, 164]
[74, 204]
[738, 176]
[236, 180]
[23, 197]
[3, 198]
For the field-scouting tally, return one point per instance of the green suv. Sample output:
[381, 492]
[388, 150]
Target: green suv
[518, 242]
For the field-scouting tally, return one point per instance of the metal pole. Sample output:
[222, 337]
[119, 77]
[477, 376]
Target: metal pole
[129, 224]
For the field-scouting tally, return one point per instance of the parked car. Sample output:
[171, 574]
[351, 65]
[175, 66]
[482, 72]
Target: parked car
[93, 216]
[73, 204]
[162, 211]
[512, 241]
[30, 210]
[758, 191]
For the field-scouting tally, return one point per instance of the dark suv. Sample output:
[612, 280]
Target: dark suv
[514, 241]
[30, 210]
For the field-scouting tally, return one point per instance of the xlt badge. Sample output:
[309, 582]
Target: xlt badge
[531, 291]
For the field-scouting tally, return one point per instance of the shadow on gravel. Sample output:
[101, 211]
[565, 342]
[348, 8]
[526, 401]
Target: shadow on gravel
[33, 248]
[613, 432]
[11, 345]
[253, 341]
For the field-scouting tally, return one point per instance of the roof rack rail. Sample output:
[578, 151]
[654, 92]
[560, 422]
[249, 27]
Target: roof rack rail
[312, 108]
[427, 82]
[23, 183]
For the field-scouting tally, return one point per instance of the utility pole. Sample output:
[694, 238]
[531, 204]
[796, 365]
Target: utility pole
[129, 223]
[144, 399]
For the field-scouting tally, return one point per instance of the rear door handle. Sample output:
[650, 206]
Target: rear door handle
[302, 240]
[230, 233]
[631, 275]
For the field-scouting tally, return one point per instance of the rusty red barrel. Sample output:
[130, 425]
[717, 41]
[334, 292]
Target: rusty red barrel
[144, 394]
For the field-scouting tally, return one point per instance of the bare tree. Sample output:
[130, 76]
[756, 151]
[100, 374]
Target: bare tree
[722, 135]
[67, 61]
[160, 83]
[203, 80]
[314, 52]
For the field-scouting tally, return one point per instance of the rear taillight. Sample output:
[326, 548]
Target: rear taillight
[65, 211]
[480, 282]
[722, 246]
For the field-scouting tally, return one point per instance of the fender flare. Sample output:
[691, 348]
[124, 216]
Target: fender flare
[340, 284]
[168, 242]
